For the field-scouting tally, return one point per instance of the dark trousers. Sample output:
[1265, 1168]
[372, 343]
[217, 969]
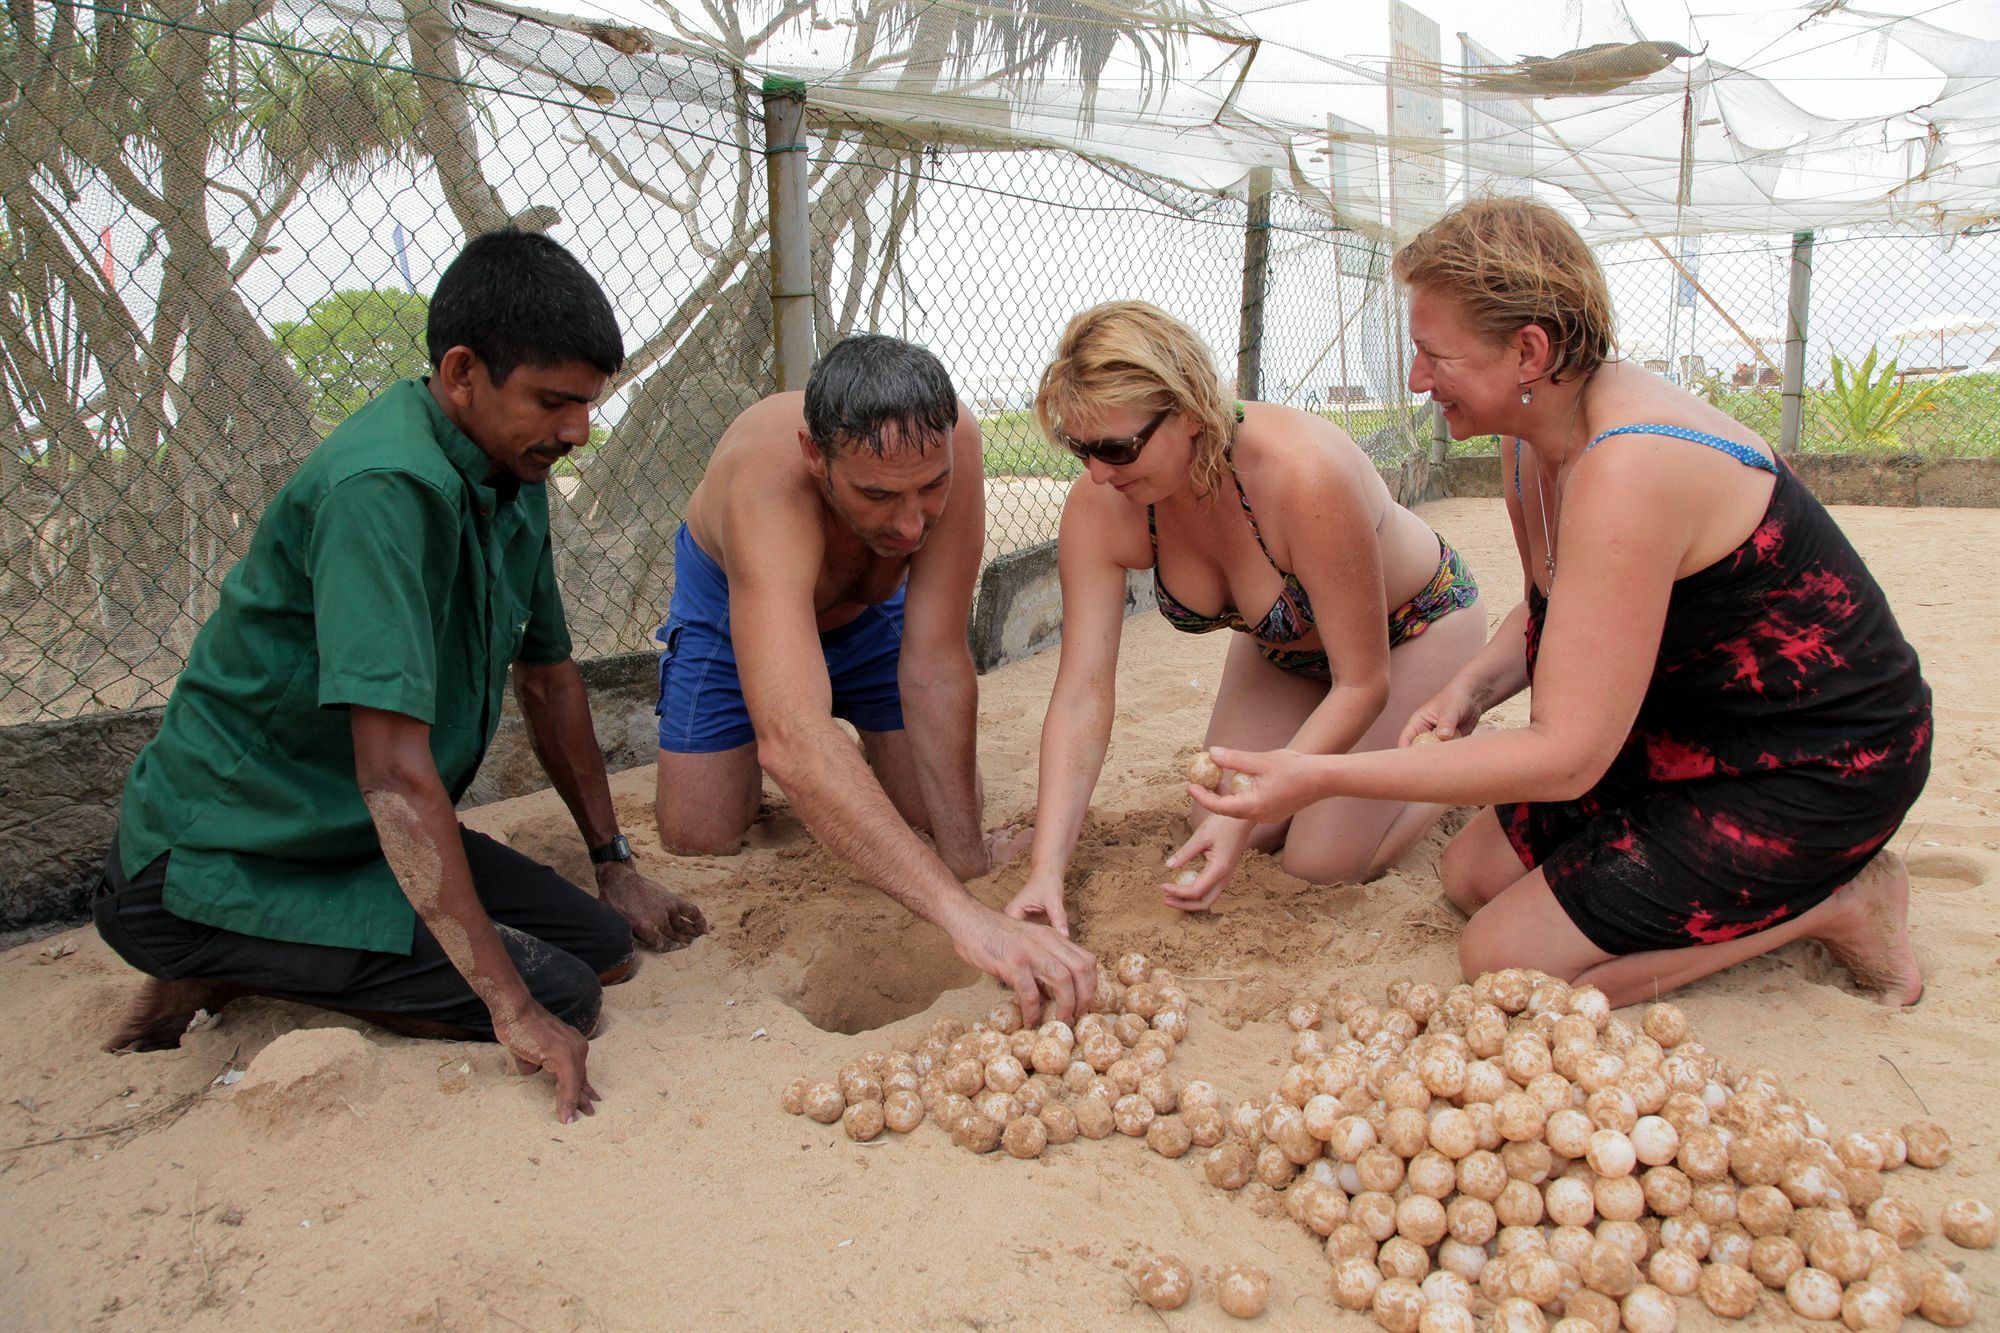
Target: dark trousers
[559, 937]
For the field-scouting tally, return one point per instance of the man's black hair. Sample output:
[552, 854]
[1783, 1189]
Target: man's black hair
[868, 382]
[517, 298]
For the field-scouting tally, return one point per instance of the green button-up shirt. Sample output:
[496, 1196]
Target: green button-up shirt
[387, 573]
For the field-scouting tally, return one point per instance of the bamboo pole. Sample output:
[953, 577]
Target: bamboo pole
[1798, 305]
[1256, 274]
[791, 248]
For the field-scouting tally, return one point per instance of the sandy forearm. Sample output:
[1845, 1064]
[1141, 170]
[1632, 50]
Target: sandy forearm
[839, 800]
[556, 707]
[420, 841]
[941, 717]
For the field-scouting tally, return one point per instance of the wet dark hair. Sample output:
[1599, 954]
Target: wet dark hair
[517, 298]
[868, 382]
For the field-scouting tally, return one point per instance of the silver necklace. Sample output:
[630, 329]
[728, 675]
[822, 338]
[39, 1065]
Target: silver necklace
[1541, 495]
[1548, 543]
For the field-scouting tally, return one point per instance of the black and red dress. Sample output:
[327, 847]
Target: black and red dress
[1785, 733]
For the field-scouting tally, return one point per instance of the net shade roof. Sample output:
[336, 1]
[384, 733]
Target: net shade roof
[1637, 120]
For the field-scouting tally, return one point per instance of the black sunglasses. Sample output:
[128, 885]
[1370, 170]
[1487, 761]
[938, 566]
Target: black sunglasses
[1118, 451]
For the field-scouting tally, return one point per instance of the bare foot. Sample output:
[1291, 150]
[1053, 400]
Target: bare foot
[161, 1012]
[1872, 940]
[1004, 844]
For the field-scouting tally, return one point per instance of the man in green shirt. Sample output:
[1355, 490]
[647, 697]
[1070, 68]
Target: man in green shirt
[291, 830]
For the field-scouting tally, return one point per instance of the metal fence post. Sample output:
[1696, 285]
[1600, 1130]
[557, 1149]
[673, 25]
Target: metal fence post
[791, 252]
[1256, 271]
[1797, 307]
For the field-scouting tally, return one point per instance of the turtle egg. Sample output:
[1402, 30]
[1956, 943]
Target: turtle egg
[824, 1103]
[1199, 1092]
[862, 1120]
[1608, 1269]
[1237, 784]
[1927, 1143]
[902, 1111]
[1402, 1257]
[1355, 1282]
[1445, 1317]
[1729, 1292]
[1421, 1219]
[1813, 1294]
[1060, 1122]
[1569, 1202]
[1968, 1223]
[1867, 1308]
[977, 1133]
[1134, 968]
[1243, 1291]
[1610, 1153]
[1169, 1136]
[1398, 1305]
[1203, 771]
[1093, 1118]
[1946, 1300]
[1228, 1165]
[1898, 1219]
[1666, 1024]
[1452, 1133]
[1164, 1282]
[1206, 1127]
[1648, 1309]
[1517, 1314]
[1654, 1141]
[1775, 1258]
[1133, 1115]
[793, 1099]
[1675, 1272]
[1025, 1137]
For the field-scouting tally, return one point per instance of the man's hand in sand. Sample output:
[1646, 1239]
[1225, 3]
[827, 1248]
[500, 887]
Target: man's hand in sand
[1282, 783]
[538, 1040]
[1035, 960]
[661, 919]
[1221, 841]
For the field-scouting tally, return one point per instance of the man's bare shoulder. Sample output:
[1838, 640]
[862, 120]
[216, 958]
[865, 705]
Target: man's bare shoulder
[755, 470]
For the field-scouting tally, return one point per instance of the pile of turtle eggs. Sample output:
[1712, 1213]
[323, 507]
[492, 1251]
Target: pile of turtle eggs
[1002, 1085]
[1510, 1154]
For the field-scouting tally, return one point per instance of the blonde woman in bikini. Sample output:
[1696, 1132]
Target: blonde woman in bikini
[1348, 611]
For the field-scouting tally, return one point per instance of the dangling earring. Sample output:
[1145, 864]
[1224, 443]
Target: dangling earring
[1527, 395]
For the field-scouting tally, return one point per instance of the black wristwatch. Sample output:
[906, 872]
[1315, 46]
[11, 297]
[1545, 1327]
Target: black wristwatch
[616, 850]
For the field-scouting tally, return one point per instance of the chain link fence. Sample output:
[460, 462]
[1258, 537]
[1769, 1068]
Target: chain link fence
[220, 227]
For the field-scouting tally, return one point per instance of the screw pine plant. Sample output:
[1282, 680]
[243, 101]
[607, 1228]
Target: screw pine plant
[1864, 409]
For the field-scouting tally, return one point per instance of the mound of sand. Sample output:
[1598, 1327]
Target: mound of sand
[445, 1194]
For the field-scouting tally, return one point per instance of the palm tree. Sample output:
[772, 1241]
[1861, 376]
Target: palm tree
[150, 422]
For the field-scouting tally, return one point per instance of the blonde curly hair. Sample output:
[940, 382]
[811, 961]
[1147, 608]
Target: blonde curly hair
[1128, 354]
[1508, 262]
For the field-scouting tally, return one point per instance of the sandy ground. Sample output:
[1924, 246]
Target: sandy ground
[357, 1180]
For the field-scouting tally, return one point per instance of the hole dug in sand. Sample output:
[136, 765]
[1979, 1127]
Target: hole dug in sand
[858, 985]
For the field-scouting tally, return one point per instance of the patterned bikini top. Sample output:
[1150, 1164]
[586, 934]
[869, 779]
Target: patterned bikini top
[1290, 617]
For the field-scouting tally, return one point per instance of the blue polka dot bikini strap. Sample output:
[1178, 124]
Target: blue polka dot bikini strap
[1742, 453]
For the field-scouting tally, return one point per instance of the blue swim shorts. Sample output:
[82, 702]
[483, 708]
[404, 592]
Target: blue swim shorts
[701, 707]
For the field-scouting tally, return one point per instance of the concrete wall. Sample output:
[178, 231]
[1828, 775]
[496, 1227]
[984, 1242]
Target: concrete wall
[1844, 479]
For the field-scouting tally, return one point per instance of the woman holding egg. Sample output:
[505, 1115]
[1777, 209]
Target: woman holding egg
[1726, 726]
[1236, 505]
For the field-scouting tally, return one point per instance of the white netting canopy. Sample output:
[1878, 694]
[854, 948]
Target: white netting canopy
[1640, 118]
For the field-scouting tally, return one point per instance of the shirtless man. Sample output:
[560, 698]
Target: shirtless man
[825, 569]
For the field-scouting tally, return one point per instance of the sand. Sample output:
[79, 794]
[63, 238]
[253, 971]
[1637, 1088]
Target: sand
[353, 1179]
